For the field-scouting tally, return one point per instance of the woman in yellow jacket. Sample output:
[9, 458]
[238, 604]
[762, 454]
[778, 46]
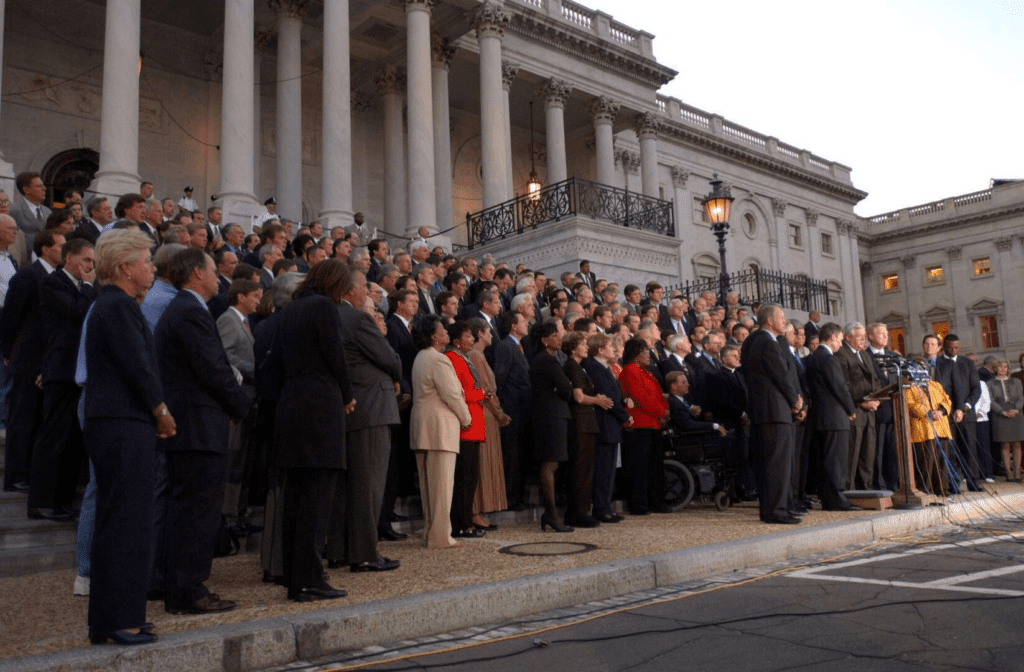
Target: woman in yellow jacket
[929, 415]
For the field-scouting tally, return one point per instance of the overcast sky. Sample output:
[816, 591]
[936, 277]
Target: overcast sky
[923, 99]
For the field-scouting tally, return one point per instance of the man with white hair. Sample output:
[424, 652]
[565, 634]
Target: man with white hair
[524, 305]
[861, 380]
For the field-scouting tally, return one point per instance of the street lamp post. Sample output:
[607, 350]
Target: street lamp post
[716, 210]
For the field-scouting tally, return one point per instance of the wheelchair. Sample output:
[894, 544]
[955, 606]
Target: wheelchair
[696, 467]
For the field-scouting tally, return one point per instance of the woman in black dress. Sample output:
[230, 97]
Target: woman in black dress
[551, 392]
[583, 431]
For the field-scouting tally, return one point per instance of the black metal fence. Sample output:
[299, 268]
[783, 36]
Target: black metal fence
[758, 287]
[574, 196]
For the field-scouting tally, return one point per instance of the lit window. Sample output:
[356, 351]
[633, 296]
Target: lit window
[989, 332]
[898, 340]
[891, 283]
[796, 238]
[826, 243]
[982, 266]
[940, 329]
[933, 275]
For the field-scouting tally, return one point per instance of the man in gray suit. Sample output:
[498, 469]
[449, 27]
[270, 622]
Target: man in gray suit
[233, 326]
[861, 379]
[30, 214]
[375, 372]
[364, 232]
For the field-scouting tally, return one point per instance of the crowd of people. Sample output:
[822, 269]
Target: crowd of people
[193, 372]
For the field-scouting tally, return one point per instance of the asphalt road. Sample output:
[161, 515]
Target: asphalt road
[949, 601]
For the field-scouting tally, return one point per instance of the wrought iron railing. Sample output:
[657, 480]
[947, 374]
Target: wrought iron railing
[574, 196]
[758, 287]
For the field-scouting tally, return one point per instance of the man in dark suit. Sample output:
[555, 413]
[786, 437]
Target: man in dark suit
[788, 342]
[675, 321]
[98, 214]
[861, 380]
[378, 248]
[833, 412]
[29, 213]
[679, 359]
[401, 464]
[59, 454]
[375, 373]
[811, 327]
[512, 378]
[959, 378]
[22, 342]
[202, 392]
[588, 278]
[654, 293]
[490, 308]
[886, 460]
[268, 256]
[729, 390]
[773, 399]
[681, 415]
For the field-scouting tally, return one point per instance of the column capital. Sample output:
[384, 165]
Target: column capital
[490, 21]
[264, 38]
[631, 160]
[425, 5]
[909, 260]
[604, 110]
[555, 92]
[646, 125]
[509, 72]
[360, 102]
[954, 252]
[779, 206]
[1004, 244]
[679, 176]
[812, 216]
[865, 267]
[295, 9]
[388, 80]
[441, 52]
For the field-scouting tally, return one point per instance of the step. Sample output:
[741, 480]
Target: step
[22, 561]
[13, 505]
[32, 534]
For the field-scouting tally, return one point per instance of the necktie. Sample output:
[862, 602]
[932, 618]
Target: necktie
[39, 214]
[799, 361]
[679, 327]
[245, 323]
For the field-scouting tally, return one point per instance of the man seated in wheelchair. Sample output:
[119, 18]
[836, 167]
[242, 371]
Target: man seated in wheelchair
[717, 440]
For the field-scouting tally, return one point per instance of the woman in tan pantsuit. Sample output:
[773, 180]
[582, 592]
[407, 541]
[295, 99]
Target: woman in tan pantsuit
[439, 412]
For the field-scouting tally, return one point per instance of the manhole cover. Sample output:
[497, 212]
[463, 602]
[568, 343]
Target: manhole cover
[548, 548]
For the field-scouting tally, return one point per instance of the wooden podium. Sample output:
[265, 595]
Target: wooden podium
[907, 496]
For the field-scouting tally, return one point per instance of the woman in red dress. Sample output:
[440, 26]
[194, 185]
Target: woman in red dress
[648, 411]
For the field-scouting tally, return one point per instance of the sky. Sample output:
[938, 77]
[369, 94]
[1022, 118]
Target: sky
[922, 99]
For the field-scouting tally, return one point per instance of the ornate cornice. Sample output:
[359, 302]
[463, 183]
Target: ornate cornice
[679, 176]
[604, 110]
[946, 226]
[555, 92]
[441, 51]
[294, 9]
[490, 21]
[388, 80]
[708, 141]
[509, 71]
[647, 125]
[534, 26]
[779, 206]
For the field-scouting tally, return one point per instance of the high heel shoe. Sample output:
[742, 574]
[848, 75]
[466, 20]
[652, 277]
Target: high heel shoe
[123, 637]
[546, 521]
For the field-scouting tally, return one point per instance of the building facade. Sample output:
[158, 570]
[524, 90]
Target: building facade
[416, 113]
[953, 265]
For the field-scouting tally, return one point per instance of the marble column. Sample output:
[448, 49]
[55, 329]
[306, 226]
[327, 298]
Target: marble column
[336, 195]
[490, 23]
[442, 54]
[603, 111]
[6, 169]
[779, 230]
[119, 121]
[422, 203]
[647, 133]
[257, 114]
[556, 92]
[388, 83]
[509, 71]
[289, 107]
[852, 231]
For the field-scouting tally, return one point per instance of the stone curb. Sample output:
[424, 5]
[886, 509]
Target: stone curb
[272, 642]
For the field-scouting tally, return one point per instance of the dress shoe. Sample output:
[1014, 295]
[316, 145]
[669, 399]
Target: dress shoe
[391, 535]
[788, 520]
[336, 564]
[123, 637]
[469, 533]
[799, 511]
[490, 527]
[846, 507]
[20, 486]
[210, 604]
[36, 513]
[273, 578]
[609, 518]
[314, 594]
[583, 520]
[381, 565]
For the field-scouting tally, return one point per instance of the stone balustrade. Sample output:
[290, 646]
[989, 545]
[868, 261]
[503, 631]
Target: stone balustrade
[600, 24]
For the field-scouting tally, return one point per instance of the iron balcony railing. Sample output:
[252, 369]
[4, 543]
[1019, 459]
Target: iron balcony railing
[758, 287]
[574, 196]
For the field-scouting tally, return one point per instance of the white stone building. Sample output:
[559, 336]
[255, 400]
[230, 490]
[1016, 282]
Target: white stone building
[954, 265]
[418, 113]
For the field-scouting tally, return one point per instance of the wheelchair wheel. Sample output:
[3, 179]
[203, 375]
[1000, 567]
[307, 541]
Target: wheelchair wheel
[679, 486]
[722, 501]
